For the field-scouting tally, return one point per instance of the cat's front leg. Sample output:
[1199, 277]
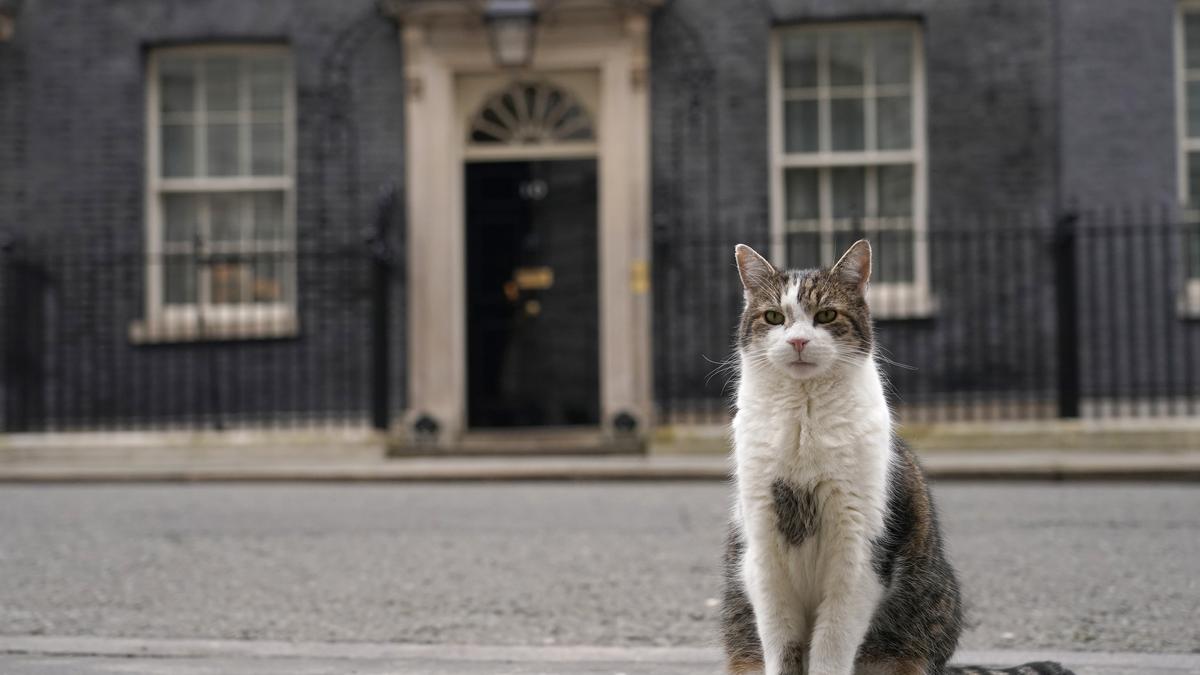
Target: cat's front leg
[778, 619]
[852, 592]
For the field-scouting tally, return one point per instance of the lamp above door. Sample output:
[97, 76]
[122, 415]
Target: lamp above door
[512, 31]
[512, 26]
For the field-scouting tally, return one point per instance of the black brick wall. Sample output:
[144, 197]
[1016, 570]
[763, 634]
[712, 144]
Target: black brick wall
[991, 115]
[1118, 102]
[14, 153]
[72, 153]
[1031, 105]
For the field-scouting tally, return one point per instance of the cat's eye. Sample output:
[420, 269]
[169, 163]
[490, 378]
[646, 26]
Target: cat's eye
[825, 316]
[773, 317]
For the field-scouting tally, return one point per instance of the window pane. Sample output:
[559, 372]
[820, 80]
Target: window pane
[221, 83]
[268, 279]
[849, 192]
[229, 282]
[225, 217]
[179, 280]
[803, 249]
[895, 190]
[846, 59]
[893, 115]
[1193, 109]
[1193, 182]
[843, 239]
[1192, 39]
[846, 117]
[266, 84]
[177, 82]
[180, 218]
[1193, 246]
[893, 57]
[802, 201]
[268, 216]
[800, 126]
[799, 60]
[894, 256]
[178, 150]
[266, 147]
[223, 150]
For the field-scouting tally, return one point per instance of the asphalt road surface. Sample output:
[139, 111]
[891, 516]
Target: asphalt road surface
[1080, 567]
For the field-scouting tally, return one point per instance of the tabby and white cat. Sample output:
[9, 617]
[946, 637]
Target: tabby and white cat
[834, 563]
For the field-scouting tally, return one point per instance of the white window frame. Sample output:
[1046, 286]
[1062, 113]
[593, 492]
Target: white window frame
[1189, 301]
[888, 300]
[206, 321]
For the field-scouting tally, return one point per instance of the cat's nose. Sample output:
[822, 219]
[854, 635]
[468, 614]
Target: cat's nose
[798, 344]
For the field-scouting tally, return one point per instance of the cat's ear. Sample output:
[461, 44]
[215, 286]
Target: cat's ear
[752, 267]
[854, 269]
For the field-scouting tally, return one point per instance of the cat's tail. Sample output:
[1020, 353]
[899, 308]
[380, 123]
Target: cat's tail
[1036, 668]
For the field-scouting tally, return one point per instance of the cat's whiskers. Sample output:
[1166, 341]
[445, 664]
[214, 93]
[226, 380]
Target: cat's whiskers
[729, 365]
[881, 354]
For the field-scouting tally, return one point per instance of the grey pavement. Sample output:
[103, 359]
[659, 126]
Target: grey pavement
[1058, 566]
[1072, 464]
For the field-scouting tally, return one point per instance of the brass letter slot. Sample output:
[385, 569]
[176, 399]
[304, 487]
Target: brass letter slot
[534, 278]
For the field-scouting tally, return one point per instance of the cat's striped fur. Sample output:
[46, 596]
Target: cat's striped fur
[834, 564]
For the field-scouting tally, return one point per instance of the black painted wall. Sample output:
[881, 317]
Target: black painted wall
[72, 162]
[1032, 106]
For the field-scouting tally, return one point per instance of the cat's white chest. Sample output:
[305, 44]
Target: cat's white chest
[811, 446]
[811, 483]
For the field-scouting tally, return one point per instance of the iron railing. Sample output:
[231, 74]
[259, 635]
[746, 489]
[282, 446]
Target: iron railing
[1021, 316]
[1015, 316]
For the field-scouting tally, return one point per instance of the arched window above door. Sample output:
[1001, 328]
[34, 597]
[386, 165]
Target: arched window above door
[531, 113]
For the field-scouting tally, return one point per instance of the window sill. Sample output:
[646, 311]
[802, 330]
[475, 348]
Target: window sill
[168, 330]
[899, 302]
[1189, 313]
[1188, 305]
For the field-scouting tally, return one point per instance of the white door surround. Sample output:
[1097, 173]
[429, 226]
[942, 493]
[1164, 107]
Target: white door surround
[598, 51]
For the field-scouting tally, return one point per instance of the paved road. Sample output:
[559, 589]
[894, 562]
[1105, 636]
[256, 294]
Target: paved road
[1097, 567]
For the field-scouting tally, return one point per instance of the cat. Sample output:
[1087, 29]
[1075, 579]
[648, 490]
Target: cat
[834, 562]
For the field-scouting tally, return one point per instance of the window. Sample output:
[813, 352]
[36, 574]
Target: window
[220, 235]
[1188, 98]
[848, 154]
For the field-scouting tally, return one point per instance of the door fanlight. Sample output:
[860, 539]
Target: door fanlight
[531, 113]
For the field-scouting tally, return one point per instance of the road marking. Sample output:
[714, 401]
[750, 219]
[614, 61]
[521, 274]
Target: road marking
[1129, 662]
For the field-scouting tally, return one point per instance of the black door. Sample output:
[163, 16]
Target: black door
[532, 309]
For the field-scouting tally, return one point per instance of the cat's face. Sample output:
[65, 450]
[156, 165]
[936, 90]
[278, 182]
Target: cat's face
[804, 323]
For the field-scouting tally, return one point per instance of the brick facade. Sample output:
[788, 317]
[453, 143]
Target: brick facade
[72, 160]
[1031, 106]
